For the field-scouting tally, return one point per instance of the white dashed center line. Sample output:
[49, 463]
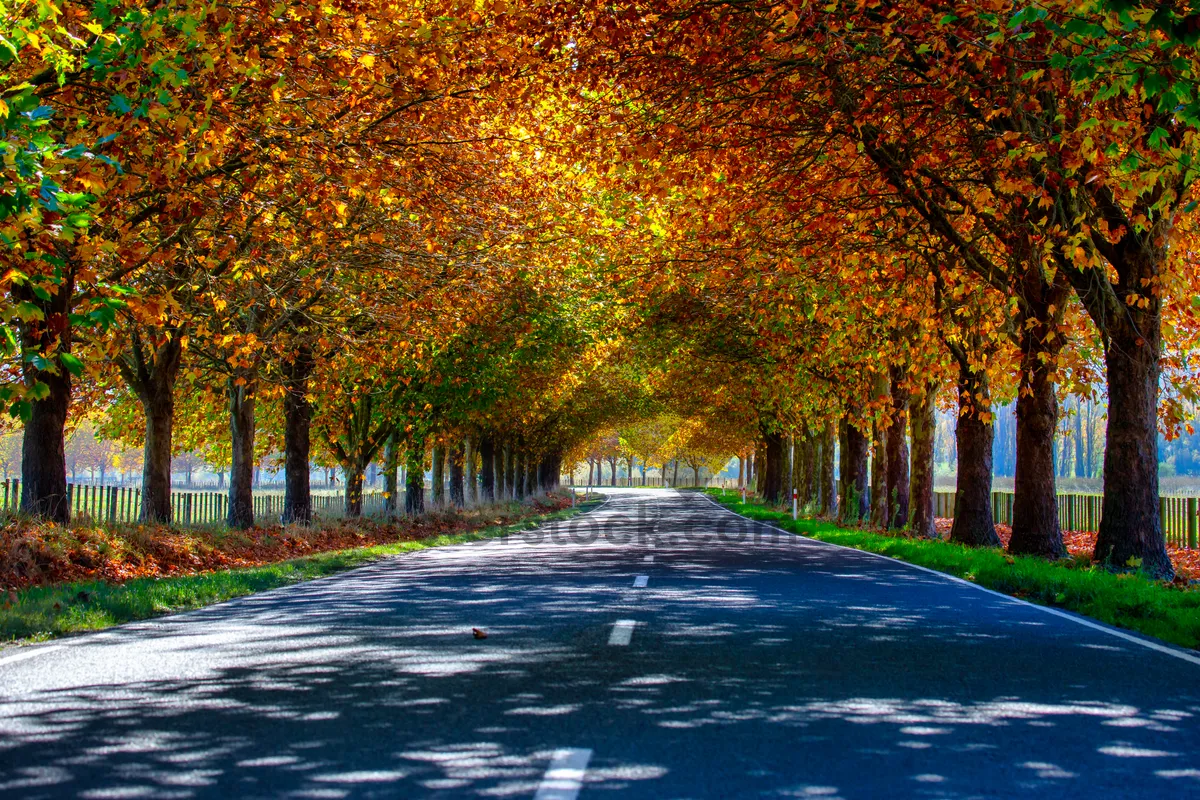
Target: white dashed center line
[622, 632]
[564, 778]
[640, 581]
[649, 559]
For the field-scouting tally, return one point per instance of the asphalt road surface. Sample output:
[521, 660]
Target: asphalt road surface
[658, 647]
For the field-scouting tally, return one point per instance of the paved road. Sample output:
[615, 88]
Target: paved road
[751, 663]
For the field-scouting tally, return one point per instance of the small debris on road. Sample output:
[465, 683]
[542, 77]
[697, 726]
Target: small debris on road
[478, 634]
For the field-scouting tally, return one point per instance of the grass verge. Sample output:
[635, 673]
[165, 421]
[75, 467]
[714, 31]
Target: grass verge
[45, 612]
[1165, 611]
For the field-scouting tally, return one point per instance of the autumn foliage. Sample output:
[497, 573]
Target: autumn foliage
[482, 237]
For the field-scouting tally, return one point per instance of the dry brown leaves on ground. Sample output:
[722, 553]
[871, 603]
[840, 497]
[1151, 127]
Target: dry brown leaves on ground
[1187, 562]
[36, 554]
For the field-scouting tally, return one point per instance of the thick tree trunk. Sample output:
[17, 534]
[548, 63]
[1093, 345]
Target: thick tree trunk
[159, 411]
[973, 523]
[506, 464]
[1035, 529]
[472, 470]
[391, 465]
[1130, 526]
[487, 473]
[354, 490]
[773, 474]
[414, 490]
[153, 381]
[43, 457]
[879, 485]
[297, 448]
[439, 476]
[920, 497]
[897, 452]
[241, 434]
[828, 488]
[855, 506]
[457, 479]
[43, 454]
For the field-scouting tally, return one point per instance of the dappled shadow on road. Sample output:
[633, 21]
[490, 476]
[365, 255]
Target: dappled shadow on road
[775, 666]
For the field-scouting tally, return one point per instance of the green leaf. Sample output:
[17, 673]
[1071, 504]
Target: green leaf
[39, 391]
[73, 364]
[1159, 138]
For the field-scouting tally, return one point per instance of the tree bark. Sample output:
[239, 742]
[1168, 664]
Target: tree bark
[414, 491]
[855, 507]
[43, 459]
[828, 487]
[1130, 526]
[241, 434]
[487, 473]
[879, 484]
[297, 446]
[354, 490]
[438, 479]
[973, 523]
[457, 479]
[472, 477]
[897, 452]
[773, 472]
[153, 381]
[391, 465]
[1035, 529]
[506, 471]
[920, 499]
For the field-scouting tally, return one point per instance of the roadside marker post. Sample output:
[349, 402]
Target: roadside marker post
[794, 495]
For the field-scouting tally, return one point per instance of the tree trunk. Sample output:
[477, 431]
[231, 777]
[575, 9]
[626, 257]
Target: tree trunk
[354, 490]
[1035, 529]
[773, 472]
[487, 472]
[527, 474]
[897, 452]
[920, 498]
[391, 465]
[855, 506]
[1130, 526]
[506, 464]
[241, 434]
[457, 491]
[438, 478]
[159, 411]
[472, 477]
[741, 470]
[43, 455]
[879, 485]
[414, 490]
[828, 488]
[153, 382]
[973, 523]
[297, 416]
[612, 465]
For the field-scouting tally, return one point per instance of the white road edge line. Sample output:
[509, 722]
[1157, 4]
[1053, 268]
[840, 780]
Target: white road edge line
[29, 654]
[1182, 655]
[622, 632]
[564, 777]
[648, 559]
[640, 581]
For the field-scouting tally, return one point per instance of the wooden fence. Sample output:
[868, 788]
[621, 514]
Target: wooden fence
[1081, 512]
[122, 504]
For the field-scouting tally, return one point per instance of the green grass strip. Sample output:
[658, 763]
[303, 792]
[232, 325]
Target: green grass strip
[49, 611]
[1126, 600]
